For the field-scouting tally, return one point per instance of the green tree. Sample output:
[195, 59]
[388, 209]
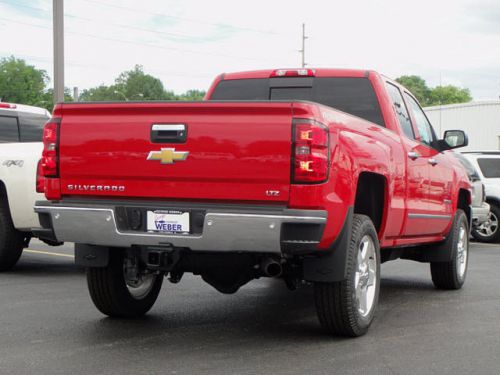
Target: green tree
[47, 99]
[191, 95]
[449, 95]
[434, 96]
[22, 83]
[101, 93]
[137, 85]
[417, 87]
[133, 85]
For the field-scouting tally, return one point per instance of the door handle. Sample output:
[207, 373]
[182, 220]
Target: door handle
[432, 161]
[168, 133]
[413, 155]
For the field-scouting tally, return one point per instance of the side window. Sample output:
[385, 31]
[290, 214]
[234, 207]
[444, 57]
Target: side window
[31, 126]
[9, 131]
[423, 125]
[401, 111]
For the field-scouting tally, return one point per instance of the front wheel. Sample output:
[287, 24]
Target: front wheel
[348, 307]
[451, 274]
[117, 292]
[489, 231]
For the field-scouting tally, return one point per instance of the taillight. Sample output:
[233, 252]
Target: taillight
[49, 160]
[310, 151]
[40, 179]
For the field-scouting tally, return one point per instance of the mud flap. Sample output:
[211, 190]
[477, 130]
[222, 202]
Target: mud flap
[331, 267]
[91, 256]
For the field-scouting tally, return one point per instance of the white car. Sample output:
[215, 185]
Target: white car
[487, 164]
[480, 208]
[20, 150]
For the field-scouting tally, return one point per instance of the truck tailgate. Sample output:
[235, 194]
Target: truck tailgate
[232, 151]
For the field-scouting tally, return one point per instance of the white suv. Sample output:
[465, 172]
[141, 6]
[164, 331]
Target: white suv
[487, 164]
[21, 146]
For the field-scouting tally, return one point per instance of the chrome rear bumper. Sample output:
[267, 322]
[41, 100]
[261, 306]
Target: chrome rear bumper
[223, 230]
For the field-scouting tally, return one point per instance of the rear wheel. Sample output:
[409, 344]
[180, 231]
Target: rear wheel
[451, 274]
[348, 307]
[489, 231]
[11, 240]
[117, 292]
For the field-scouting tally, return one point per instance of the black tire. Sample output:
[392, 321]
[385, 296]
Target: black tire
[337, 306]
[487, 232]
[451, 275]
[11, 240]
[110, 293]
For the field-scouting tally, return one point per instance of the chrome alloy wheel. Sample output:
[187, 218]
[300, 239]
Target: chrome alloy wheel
[462, 251]
[489, 227]
[365, 279]
[141, 285]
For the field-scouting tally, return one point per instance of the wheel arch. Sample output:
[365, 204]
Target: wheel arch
[464, 203]
[4, 196]
[371, 198]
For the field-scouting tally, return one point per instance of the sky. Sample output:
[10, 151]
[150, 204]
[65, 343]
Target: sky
[186, 43]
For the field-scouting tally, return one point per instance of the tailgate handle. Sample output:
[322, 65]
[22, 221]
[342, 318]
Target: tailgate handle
[168, 133]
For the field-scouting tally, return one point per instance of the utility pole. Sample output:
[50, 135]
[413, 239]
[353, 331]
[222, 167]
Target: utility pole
[303, 50]
[58, 25]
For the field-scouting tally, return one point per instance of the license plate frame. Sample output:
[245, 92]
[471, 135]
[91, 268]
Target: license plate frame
[168, 221]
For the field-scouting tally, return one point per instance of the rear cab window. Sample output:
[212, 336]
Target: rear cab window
[9, 129]
[354, 96]
[31, 126]
[18, 126]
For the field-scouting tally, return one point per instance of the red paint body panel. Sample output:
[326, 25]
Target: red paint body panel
[236, 151]
[240, 150]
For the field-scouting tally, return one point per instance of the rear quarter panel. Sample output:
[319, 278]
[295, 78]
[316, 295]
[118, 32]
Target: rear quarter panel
[356, 146]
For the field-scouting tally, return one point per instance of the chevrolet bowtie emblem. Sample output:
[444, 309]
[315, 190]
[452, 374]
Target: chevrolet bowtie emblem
[168, 155]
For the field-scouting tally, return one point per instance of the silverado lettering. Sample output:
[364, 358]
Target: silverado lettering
[304, 175]
[95, 187]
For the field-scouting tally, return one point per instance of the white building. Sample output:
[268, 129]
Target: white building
[480, 120]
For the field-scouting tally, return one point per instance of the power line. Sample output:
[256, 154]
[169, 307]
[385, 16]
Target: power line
[139, 43]
[135, 10]
[128, 27]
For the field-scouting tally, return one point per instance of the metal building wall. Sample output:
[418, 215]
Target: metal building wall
[480, 120]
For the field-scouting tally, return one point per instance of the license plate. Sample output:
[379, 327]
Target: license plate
[168, 221]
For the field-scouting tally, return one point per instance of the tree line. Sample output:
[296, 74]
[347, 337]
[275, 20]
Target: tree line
[25, 84]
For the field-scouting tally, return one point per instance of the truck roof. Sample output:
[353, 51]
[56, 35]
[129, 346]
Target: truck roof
[317, 72]
[24, 108]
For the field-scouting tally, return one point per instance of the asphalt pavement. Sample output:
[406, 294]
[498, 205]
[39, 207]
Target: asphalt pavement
[48, 325]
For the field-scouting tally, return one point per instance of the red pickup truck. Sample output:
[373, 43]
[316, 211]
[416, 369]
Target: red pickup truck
[314, 175]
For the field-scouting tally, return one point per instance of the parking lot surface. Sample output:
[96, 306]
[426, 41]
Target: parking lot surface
[50, 326]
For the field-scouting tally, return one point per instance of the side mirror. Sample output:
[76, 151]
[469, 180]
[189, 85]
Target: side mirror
[453, 139]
